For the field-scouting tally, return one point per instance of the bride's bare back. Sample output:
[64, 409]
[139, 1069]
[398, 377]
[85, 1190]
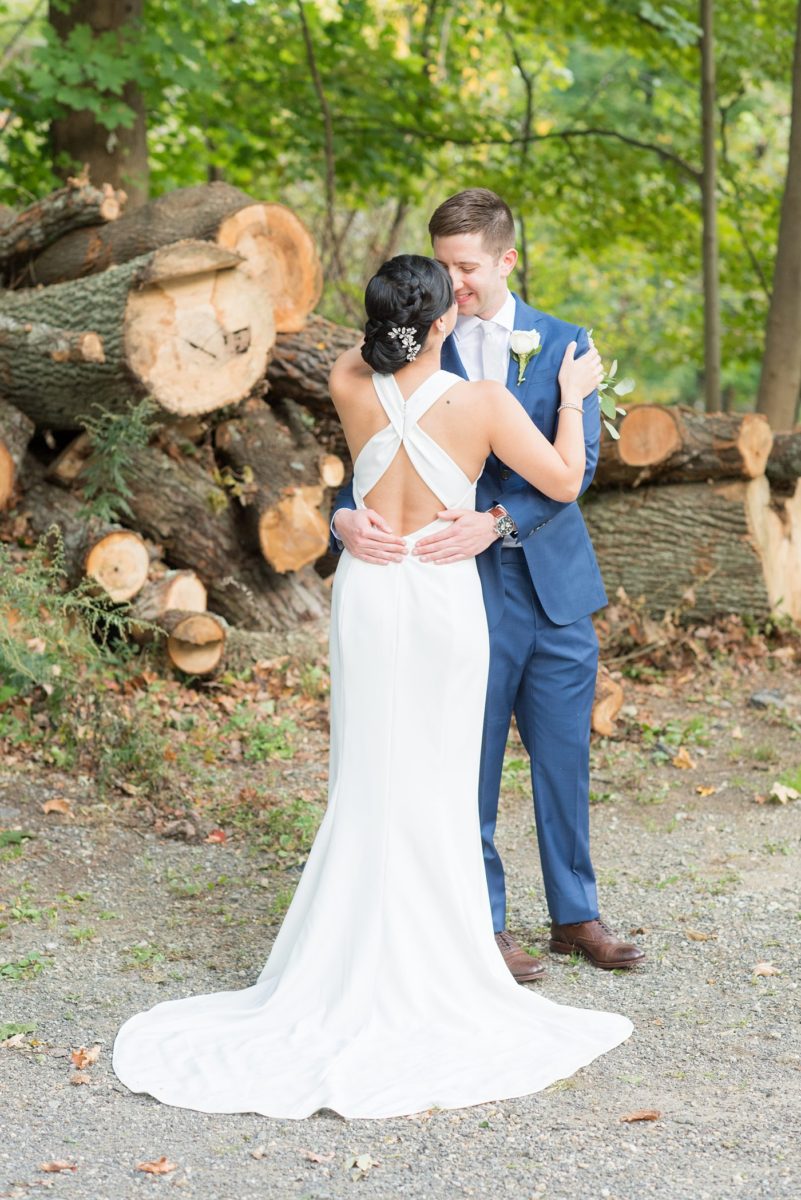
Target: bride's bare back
[469, 421]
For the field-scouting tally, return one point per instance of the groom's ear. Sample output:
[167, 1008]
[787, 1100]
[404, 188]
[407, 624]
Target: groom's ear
[508, 262]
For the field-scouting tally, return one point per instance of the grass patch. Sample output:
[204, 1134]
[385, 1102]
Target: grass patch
[24, 968]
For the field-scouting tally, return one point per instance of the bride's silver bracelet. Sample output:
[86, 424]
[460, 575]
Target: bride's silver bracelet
[578, 407]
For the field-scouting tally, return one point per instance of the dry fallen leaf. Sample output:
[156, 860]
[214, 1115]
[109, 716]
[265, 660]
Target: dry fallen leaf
[57, 805]
[80, 1077]
[58, 1164]
[642, 1114]
[217, 835]
[766, 968]
[695, 935]
[362, 1165]
[14, 1042]
[259, 1152]
[780, 793]
[160, 1166]
[317, 1158]
[682, 760]
[85, 1058]
[737, 732]
[705, 791]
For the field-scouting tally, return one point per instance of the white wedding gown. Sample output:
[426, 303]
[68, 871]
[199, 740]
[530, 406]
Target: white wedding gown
[385, 993]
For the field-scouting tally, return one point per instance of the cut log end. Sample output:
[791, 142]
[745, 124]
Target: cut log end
[332, 470]
[607, 704]
[280, 253]
[293, 532]
[8, 475]
[648, 435]
[196, 642]
[755, 443]
[119, 563]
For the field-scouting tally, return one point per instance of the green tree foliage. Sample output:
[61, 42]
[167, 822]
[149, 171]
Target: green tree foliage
[364, 114]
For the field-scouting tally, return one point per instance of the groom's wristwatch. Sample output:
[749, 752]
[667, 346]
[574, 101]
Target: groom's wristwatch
[504, 524]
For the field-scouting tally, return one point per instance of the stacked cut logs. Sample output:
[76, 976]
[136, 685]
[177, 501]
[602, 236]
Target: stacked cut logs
[699, 513]
[179, 301]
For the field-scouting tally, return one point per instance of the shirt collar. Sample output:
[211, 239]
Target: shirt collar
[505, 317]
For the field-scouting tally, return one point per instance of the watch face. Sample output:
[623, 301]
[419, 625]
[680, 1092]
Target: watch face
[504, 526]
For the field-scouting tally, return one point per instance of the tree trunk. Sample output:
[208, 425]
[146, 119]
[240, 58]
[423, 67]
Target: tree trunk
[286, 488]
[709, 185]
[702, 549]
[784, 465]
[181, 325]
[682, 445]
[780, 382]
[116, 558]
[179, 506]
[302, 362]
[16, 430]
[118, 156]
[277, 249]
[24, 234]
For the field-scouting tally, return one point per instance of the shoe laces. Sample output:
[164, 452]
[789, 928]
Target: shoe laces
[505, 940]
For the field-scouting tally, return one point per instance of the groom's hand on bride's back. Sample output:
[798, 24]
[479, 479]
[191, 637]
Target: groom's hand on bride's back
[366, 535]
[468, 534]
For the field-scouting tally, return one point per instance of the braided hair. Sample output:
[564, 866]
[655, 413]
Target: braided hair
[408, 292]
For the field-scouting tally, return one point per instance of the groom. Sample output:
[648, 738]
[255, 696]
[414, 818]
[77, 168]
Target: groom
[540, 581]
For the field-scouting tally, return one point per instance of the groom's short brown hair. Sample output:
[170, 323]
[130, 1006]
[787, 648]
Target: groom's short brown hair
[476, 210]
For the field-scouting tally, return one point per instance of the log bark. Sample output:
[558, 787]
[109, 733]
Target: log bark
[275, 245]
[302, 362]
[24, 234]
[26, 338]
[116, 558]
[784, 465]
[283, 502]
[680, 445]
[182, 325]
[702, 549]
[178, 505]
[16, 430]
[607, 703]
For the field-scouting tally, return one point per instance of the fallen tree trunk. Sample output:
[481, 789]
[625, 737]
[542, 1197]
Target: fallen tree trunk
[701, 549]
[116, 558]
[20, 338]
[183, 325]
[16, 430]
[178, 505]
[277, 249]
[24, 234]
[784, 465]
[286, 477]
[302, 362]
[680, 445]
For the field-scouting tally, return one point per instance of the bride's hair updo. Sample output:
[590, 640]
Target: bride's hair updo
[402, 301]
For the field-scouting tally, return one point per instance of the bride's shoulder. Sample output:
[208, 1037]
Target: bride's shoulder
[349, 366]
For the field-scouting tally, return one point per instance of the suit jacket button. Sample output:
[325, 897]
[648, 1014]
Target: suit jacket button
[506, 473]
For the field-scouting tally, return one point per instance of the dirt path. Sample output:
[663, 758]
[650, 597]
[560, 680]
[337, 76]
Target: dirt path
[121, 918]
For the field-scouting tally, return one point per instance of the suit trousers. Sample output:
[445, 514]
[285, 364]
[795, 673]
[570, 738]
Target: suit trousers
[544, 674]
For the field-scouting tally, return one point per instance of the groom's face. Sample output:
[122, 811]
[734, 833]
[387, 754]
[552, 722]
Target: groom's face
[479, 276]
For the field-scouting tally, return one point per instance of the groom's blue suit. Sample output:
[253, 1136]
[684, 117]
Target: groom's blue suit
[543, 648]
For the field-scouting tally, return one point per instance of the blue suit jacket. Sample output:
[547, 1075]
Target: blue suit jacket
[554, 538]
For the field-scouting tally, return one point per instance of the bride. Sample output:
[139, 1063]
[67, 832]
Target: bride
[384, 993]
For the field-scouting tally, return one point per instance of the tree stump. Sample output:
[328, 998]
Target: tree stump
[16, 430]
[183, 325]
[277, 249]
[680, 445]
[702, 549]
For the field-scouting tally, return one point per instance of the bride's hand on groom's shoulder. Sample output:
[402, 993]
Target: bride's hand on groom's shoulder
[578, 377]
[366, 535]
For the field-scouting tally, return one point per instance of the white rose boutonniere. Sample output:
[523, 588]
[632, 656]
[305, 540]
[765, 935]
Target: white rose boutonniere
[525, 344]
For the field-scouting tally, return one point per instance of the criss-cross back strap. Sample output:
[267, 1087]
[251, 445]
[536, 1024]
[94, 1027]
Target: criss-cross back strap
[434, 465]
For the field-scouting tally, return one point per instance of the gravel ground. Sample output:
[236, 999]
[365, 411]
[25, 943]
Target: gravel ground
[123, 919]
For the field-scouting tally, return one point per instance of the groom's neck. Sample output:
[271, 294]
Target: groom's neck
[494, 306]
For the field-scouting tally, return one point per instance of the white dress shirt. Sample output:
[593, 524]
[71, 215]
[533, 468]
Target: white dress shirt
[484, 347]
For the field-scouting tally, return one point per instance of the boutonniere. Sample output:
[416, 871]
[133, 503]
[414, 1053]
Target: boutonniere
[525, 344]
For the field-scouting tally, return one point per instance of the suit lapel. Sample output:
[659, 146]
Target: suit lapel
[525, 318]
[450, 360]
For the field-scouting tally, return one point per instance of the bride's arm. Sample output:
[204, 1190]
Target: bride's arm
[555, 469]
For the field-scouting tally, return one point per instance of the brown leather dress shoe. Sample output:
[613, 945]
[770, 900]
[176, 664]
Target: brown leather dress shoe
[523, 966]
[598, 943]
